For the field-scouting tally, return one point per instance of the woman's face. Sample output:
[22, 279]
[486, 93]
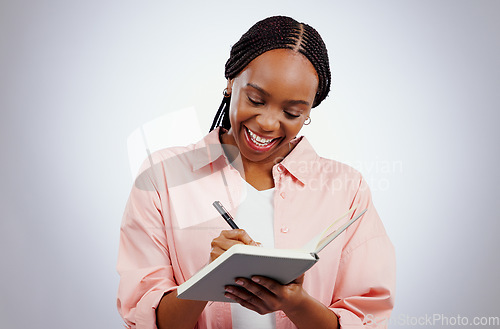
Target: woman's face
[270, 100]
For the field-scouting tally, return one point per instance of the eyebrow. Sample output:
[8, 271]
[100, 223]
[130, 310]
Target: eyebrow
[292, 102]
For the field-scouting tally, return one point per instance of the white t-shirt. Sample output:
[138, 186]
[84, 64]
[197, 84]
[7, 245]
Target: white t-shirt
[255, 215]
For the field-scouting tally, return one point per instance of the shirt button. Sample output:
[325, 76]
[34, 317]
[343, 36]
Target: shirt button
[282, 195]
[284, 229]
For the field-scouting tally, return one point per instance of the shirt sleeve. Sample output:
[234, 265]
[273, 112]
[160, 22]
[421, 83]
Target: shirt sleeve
[364, 291]
[143, 259]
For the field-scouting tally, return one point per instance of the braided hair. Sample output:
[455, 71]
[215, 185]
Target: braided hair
[277, 32]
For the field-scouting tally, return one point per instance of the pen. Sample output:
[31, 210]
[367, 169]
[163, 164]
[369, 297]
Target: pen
[227, 216]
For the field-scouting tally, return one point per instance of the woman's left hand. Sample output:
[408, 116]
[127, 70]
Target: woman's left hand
[264, 295]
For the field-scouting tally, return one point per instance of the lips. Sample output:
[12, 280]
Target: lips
[259, 143]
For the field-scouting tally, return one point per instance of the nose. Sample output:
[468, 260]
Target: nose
[268, 120]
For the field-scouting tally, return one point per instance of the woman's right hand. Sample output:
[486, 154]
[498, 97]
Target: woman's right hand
[227, 239]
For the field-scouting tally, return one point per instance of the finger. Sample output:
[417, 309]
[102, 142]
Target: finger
[300, 279]
[227, 239]
[267, 300]
[240, 235]
[287, 296]
[224, 243]
[243, 302]
[215, 252]
[246, 299]
[257, 290]
[271, 285]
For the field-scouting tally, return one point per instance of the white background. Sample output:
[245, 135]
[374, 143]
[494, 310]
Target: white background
[414, 106]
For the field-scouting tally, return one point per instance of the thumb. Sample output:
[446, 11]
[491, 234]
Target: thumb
[300, 279]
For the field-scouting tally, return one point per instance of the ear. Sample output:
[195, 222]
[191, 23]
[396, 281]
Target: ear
[230, 85]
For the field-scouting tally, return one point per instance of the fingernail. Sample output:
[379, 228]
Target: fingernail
[255, 279]
[239, 282]
[230, 290]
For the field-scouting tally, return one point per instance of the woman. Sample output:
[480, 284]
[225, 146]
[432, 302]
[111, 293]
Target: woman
[281, 192]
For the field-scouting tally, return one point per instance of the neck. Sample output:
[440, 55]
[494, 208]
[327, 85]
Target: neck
[258, 176]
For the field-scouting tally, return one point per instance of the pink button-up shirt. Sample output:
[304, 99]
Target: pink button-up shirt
[169, 223]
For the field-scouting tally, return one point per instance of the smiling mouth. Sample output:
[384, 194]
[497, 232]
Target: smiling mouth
[259, 143]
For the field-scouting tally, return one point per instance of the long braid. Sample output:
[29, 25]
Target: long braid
[222, 113]
[277, 32]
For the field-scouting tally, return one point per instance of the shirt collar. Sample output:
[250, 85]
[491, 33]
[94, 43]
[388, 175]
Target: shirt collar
[301, 161]
[207, 150]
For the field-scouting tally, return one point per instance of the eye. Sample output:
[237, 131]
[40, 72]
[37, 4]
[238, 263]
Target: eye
[255, 102]
[291, 115]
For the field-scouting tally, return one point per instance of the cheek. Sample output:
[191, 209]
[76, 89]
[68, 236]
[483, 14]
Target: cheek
[233, 111]
[295, 127]
[239, 111]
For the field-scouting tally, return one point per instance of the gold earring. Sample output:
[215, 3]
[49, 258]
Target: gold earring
[307, 122]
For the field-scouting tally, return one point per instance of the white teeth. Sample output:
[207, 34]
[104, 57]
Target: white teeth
[259, 140]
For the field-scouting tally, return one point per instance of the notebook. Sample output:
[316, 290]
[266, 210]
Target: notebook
[282, 265]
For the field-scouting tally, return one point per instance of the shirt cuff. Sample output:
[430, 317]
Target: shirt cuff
[146, 309]
[347, 319]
